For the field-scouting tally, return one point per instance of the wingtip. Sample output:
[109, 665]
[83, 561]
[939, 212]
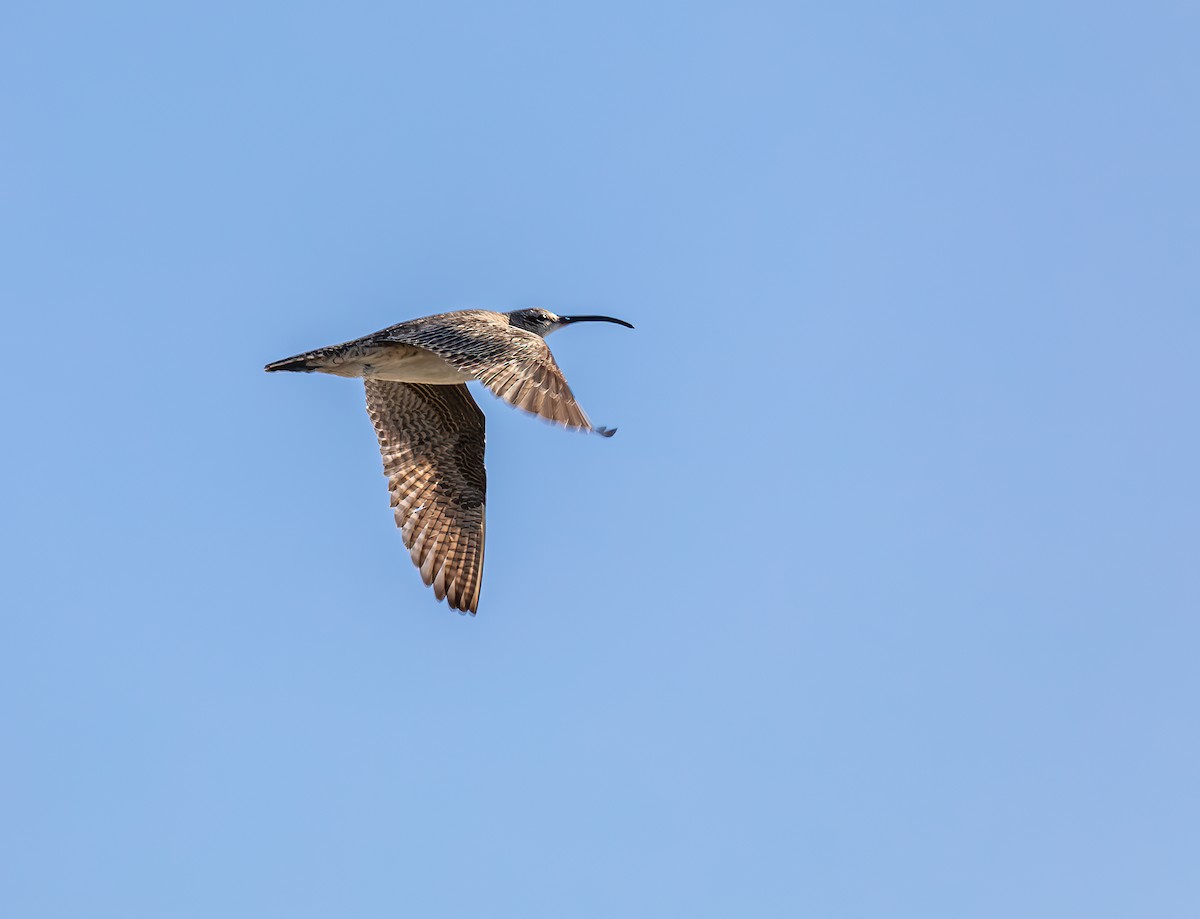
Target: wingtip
[604, 432]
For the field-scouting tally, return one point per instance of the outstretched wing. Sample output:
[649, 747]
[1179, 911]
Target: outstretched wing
[431, 438]
[514, 364]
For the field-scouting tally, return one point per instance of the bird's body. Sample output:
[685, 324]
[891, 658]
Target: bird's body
[396, 363]
[431, 432]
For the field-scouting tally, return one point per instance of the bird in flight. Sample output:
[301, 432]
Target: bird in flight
[431, 432]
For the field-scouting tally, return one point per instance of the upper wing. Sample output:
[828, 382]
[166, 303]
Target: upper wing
[514, 364]
[431, 438]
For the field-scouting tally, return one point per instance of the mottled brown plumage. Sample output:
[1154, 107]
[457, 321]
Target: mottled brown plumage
[431, 432]
[512, 362]
[431, 438]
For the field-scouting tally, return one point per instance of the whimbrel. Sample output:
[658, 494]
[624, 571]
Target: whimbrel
[431, 432]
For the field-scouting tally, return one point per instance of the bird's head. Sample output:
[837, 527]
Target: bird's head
[543, 322]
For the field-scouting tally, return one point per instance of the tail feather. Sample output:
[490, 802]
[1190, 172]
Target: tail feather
[301, 363]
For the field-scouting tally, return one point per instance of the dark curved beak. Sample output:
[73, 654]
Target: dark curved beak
[567, 320]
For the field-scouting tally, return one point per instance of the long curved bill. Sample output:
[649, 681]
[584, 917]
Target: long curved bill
[567, 320]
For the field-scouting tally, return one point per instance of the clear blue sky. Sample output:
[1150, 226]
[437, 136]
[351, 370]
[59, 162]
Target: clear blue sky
[883, 602]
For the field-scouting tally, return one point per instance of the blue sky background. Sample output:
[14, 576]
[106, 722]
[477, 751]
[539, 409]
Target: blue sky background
[883, 602]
